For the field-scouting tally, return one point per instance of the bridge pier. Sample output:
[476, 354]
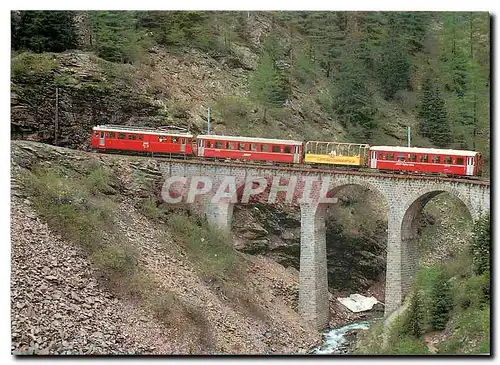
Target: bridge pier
[402, 255]
[313, 278]
[395, 257]
[219, 214]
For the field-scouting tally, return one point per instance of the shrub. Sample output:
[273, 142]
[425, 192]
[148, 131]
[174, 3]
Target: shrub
[99, 180]
[409, 346]
[233, 111]
[474, 292]
[206, 245]
[116, 258]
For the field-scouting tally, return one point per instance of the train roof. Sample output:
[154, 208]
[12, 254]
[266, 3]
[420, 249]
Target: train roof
[141, 130]
[432, 151]
[249, 139]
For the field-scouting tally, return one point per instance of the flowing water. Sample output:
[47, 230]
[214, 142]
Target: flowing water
[333, 339]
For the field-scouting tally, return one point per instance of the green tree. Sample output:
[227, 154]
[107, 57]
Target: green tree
[43, 31]
[440, 133]
[179, 28]
[353, 101]
[481, 245]
[441, 302]
[395, 67]
[433, 116]
[414, 321]
[267, 84]
[116, 36]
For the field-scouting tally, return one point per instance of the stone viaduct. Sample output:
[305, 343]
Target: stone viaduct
[403, 195]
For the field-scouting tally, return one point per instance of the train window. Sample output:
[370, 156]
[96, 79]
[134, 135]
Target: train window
[460, 161]
[276, 149]
[241, 146]
[436, 159]
[448, 160]
[210, 144]
[141, 137]
[412, 157]
[121, 136]
[162, 139]
[401, 158]
[132, 136]
[424, 158]
[287, 149]
[111, 134]
[174, 139]
[183, 140]
[253, 147]
[218, 144]
[381, 156]
[96, 133]
[230, 146]
[390, 156]
[264, 148]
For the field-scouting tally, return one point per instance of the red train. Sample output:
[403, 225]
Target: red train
[186, 145]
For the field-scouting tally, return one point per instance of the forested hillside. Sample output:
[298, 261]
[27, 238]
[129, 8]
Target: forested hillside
[353, 76]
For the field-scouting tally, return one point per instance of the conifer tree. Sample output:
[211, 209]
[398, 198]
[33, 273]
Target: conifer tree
[395, 67]
[414, 323]
[433, 116]
[441, 301]
[267, 84]
[425, 111]
[43, 31]
[116, 36]
[440, 131]
[481, 245]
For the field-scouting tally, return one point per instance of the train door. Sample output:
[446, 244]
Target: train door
[183, 145]
[201, 147]
[469, 169]
[102, 139]
[145, 141]
[296, 154]
[373, 159]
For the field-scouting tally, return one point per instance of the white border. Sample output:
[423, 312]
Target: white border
[477, 5]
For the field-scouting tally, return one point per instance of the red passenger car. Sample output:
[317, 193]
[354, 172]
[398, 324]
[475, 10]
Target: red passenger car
[247, 148]
[426, 160]
[141, 139]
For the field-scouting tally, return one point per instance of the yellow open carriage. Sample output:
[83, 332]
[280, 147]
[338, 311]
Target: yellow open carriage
[336, 153]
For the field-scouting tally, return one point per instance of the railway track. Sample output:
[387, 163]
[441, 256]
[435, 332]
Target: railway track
[287, 167]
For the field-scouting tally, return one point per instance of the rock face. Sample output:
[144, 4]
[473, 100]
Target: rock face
[78, 89]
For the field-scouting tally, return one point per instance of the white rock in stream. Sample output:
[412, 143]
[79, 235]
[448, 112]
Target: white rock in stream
[358, 302]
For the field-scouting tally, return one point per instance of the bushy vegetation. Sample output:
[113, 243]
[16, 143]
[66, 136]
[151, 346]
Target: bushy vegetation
[456, 302]
[206, 245]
